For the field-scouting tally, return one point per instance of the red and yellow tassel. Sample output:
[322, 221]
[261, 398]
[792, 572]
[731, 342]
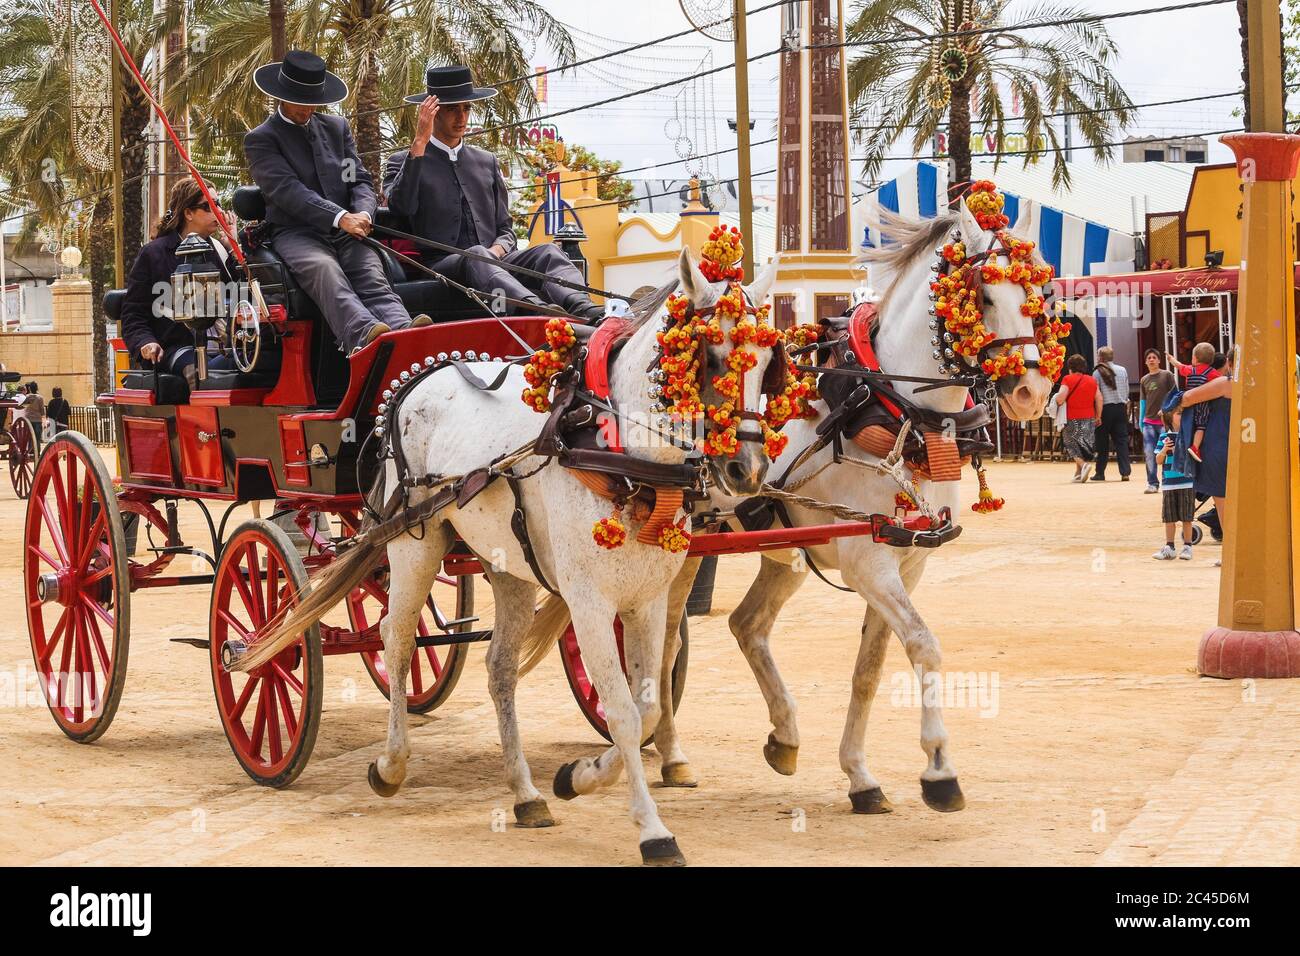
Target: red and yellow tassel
[986, 503]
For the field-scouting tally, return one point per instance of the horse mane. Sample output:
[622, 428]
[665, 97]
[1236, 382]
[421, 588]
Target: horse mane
[909, 240]
[647, 306]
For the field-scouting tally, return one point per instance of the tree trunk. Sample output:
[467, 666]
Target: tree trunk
[100, 253]
[959, 141]
[277, 29]
[135, 158]
[1245, 63]
[366, 129]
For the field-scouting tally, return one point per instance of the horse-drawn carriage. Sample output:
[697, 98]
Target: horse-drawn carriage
[19, 441]
[292, 423]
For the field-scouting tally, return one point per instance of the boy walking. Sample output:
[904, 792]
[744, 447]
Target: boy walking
[1178, 500]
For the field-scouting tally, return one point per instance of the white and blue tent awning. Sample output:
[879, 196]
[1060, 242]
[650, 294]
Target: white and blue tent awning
[1072, 245]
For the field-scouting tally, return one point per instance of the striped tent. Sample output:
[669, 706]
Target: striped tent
[1072, 245]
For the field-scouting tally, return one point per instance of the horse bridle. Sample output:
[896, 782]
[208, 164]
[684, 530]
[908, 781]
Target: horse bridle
[943, 339]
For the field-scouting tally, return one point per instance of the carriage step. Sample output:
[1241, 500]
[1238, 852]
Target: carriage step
[447, 626]
[466, 637]
[192, 641]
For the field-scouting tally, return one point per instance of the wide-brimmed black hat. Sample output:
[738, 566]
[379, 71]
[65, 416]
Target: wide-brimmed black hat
[451, 84]
[300, 79]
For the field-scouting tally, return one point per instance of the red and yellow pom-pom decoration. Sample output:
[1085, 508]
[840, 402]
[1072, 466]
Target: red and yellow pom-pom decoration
[609, 532]
[905, 502]
[721, 255]
[986, 503]
[985, 203]
[674, 538]
[545, 363]
[958, 302]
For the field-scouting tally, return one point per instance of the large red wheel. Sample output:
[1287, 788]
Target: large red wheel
[77, 585]
[584, 692]
[434, 670]
[270, 714]
[24, 447]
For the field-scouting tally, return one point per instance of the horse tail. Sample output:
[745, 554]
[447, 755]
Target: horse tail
[548, 626]
[327, 589]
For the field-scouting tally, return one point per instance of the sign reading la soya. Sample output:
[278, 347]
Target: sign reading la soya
[991, 143]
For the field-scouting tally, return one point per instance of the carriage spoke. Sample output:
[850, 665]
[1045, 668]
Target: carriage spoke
[435, 663]
[259, 723]
[273, 572]
[273, 723]
[78, 690]
[417, 675]
[37, 550]
[237, 579]
[101, 650]
[98, 575]
[234, 622]
[89, 671]
[65, 661]
[56, 532]
[58, 632]
[255, 584]
[288, 678]
[103, 614]
[87, 497]
[91, 540]
[237, 712]
[286, 710]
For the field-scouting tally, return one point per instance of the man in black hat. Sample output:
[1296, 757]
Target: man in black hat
[454, 193]
[320, 200]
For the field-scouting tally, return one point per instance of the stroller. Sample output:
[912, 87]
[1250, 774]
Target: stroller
[1210, 518]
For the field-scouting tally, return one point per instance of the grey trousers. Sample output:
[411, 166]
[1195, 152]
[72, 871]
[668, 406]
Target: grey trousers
[491, 279]
[346, 280]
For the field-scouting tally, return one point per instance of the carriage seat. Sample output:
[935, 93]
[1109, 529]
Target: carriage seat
[418, 292]
[173, 389]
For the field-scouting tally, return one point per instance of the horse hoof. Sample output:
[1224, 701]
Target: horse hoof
[943, 795]
[870, 801]
[780, 757]
[678, 775]
[563, 785]
[379, 784]
[533, 815]
[662, 852]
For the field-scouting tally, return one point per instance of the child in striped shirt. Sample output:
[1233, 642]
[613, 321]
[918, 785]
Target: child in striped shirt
[1178, 500]
[1198, 373]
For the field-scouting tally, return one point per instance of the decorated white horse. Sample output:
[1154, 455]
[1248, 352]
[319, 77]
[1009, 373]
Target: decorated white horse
[965, 295]
[605, 530]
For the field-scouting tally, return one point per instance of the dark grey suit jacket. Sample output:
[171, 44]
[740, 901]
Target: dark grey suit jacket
[423, 189]
[306, 186]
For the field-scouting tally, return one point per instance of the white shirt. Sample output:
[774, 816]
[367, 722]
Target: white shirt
[453, 152]
[342, 212]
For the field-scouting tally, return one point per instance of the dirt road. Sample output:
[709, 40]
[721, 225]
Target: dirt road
[1090, 737]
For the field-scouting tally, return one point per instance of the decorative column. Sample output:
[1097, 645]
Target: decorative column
[814, 248]
[1257, 636]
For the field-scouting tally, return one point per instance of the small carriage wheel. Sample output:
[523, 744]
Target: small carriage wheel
[434, 670]
[585, 693]
[77, 583]
[1197, 533]
[245, 336]
[24, 448]
[270, 714]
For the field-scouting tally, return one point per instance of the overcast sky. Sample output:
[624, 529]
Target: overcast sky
[1162, 57]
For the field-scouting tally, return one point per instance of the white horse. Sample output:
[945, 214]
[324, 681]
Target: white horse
[448, 427]
[883, 575]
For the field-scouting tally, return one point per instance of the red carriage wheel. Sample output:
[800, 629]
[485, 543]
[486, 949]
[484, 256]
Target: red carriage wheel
[585, 693]
[24, 447]
[434, 670]
[270, 714]
[77, 585]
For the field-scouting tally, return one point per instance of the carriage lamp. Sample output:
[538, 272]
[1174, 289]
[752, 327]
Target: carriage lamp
[198, 297]
[568, 238]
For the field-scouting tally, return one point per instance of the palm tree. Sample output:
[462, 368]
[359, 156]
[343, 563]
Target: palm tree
[379, 47]
[916, 84]
[36, 141]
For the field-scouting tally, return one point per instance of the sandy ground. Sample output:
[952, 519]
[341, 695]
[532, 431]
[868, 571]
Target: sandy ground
[1098, 743]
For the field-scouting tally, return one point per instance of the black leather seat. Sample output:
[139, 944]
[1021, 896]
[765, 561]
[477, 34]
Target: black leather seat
[417, 290]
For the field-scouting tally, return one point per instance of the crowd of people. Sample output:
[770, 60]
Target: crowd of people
[1185, 413]
[46, 419]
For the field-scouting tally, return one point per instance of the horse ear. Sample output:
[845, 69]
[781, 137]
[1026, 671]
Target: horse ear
[693, 281]
[1027, 221]
[971, 232]
[759, 288]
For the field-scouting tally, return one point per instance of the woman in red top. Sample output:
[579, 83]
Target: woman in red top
[1082, 400]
